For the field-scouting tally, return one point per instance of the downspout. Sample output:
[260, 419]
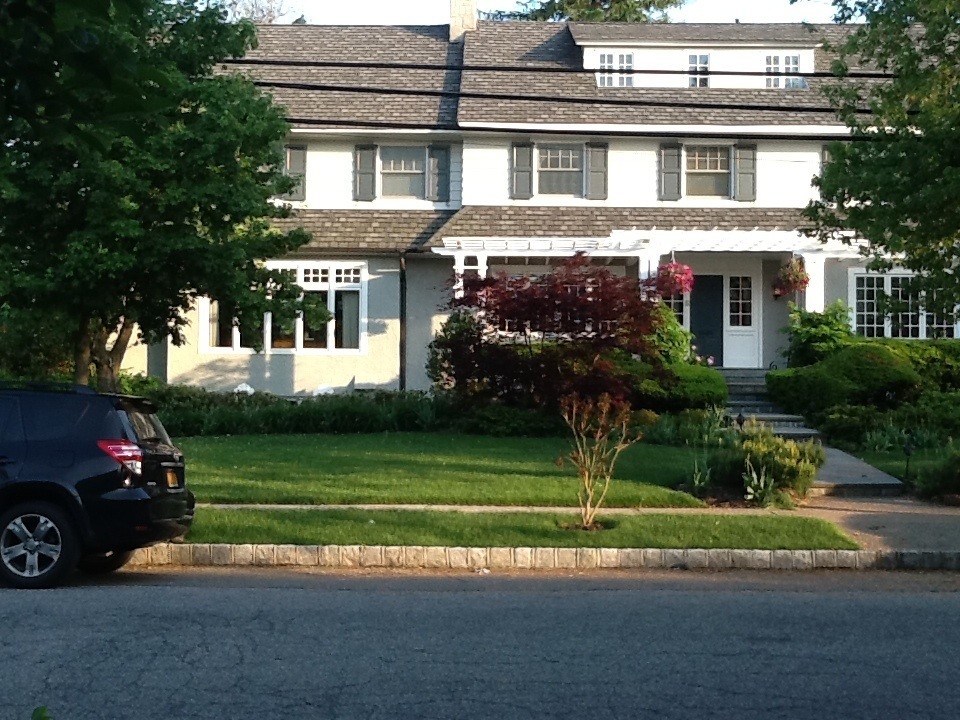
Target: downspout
[403, 322]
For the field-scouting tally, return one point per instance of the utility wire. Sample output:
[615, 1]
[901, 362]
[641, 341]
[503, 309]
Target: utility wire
[370, 65]
[616, 102]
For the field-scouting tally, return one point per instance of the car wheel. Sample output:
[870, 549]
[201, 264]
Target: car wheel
[38, 545]
[103, 563]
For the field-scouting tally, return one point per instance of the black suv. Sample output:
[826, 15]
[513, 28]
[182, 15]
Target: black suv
[85, 479]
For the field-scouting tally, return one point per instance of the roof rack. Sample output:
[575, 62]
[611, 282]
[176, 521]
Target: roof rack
[46, 385]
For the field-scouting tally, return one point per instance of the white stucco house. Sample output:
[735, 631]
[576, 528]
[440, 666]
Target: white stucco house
[475, 147]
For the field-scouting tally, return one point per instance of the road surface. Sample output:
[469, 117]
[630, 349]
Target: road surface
[259, 645]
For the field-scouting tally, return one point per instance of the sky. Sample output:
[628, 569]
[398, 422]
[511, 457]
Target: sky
[435, 12]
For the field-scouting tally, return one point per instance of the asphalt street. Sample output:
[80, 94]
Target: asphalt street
[284, 644]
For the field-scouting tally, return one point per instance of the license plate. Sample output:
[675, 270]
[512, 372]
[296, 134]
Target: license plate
[172, 479]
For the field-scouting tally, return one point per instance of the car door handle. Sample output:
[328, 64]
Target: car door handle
[5, 460]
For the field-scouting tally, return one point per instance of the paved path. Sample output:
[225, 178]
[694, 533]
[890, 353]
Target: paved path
[846, 473]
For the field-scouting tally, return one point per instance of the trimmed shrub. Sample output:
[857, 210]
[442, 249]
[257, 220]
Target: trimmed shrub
[859, 374]
[505, 421]
[669, 338]
[677, 388]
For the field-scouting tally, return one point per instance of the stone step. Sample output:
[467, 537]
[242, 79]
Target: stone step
[750, 387]
[749, 373]
[751, 407]
[800, 434]
[771, 418]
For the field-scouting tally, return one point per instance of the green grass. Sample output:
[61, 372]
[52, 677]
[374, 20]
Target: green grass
[895, 463]
[398, 527]
[431, 468]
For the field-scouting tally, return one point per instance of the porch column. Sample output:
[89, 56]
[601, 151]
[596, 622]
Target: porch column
[460, 267]
[814, 298]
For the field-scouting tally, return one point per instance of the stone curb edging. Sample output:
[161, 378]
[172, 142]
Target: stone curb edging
[526, 558]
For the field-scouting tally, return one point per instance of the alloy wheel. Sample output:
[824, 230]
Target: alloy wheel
[30, 545]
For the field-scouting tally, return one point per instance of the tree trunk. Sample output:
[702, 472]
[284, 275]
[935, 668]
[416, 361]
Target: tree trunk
[108, 361]
[81, 356]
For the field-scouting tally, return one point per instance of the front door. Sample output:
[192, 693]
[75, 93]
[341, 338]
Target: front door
[706, 316]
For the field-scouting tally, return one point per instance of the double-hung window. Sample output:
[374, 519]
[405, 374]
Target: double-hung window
[699, 66]
[909, 320]
[609, 64]
[789, 76]
[403, 171]
[338, 286]
[560, 170]
[708, 170]
[295, 166]
[419, 172]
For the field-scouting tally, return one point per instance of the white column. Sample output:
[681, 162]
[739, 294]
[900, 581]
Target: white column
[815, 295]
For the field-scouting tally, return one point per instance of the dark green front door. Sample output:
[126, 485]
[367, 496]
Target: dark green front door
[706, 316]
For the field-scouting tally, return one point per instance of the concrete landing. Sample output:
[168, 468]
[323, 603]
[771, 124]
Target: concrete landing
[845, 475]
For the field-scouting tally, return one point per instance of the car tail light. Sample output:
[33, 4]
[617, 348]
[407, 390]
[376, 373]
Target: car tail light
[124, 452]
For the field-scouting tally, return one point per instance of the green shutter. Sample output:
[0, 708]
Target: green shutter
[521, 183]
[296, 167]
[669, 185]
[438, 175]
[745, 173]
[596, 171]
[365, 172]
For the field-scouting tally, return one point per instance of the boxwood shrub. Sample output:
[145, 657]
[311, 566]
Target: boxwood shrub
[858, 374]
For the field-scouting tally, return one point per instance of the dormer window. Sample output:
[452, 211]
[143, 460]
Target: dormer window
[791, 66]
[699, 67]
[615, 61]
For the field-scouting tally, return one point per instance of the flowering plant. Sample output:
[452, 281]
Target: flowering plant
[674, 279]
[791, 278]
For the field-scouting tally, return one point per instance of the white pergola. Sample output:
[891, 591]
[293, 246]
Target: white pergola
[647, 247]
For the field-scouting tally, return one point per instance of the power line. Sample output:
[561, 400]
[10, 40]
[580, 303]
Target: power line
[616, 102]
[370, 65]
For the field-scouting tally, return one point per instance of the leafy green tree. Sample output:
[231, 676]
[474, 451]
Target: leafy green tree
[119, 227]
[594, 10]
[896, 184]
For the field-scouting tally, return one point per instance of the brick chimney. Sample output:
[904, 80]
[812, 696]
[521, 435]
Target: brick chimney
[463, 18]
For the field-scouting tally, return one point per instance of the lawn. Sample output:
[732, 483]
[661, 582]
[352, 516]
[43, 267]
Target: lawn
[895, 463]
[431, 468]
[398, 527]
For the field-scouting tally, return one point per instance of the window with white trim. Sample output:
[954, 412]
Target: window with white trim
[339, 286]
[910, 321]
[560, 170]
[609, 64]
[708, 170]
[677, 303]
[605, 76]
[698, 66]
[625, 61]
[791, 67]
[403, 171]
[741, 301]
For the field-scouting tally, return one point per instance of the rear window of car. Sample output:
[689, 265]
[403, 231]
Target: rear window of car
[147, 426]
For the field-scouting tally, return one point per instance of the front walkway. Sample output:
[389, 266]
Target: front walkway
[844, 474]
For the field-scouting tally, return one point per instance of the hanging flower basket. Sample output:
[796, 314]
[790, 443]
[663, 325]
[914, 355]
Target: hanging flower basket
[792, 278]
[674, 279]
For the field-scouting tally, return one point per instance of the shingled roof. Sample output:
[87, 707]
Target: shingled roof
[542, 46]
[365, 232]
[599, 222]
[378, 44]
[793, 34]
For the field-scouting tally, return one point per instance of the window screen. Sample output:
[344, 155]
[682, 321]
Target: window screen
[560, 170]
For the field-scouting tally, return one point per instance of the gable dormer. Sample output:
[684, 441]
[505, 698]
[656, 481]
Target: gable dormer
[697, 55]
